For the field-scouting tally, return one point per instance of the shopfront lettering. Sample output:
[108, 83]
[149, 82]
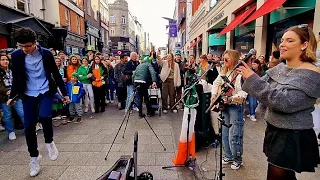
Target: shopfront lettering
[216, 18]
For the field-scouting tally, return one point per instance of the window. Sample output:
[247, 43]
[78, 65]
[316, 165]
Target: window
[23, 5]
[112, 31]
[89, 7]
[123, 20]
[78, 25]
[112, 19]
[68, 19]
[123, 31]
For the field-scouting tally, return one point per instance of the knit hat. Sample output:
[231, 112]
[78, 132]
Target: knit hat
[75, 75]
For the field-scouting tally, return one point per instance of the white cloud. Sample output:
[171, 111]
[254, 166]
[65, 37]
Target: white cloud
[149, 14]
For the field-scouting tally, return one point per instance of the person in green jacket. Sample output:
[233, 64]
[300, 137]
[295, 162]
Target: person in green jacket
[85, 79]
[142, 78]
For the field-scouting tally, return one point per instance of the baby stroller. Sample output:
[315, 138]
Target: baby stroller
[155, 100]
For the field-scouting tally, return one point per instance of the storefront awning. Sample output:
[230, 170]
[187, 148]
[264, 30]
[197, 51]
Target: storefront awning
[32, 23]
[237, 20]
[267, 7]
[195, 43]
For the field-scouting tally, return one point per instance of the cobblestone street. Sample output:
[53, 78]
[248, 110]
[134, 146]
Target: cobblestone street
[82, 149]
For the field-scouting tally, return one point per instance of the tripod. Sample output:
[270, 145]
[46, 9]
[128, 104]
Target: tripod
[126, 118]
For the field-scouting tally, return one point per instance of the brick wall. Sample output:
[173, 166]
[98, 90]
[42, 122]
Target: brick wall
[73, 20]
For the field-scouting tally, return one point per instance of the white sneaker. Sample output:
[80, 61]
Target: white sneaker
[253, 118]
[12, 136]
[86, 110]
[174, 111]
[52, 151]
[35, 165]
[136, 109]
[165, 111]
[119, 104]
[57, 118]
[112, 101]
[107, 101]
[2, 128]
[38, 127]
[178, 107]
[248, 115]
[92, 110]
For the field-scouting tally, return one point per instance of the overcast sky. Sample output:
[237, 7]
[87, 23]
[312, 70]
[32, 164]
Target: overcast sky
[149, 14]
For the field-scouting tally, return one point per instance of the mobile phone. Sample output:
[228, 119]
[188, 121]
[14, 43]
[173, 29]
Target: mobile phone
[14, 99]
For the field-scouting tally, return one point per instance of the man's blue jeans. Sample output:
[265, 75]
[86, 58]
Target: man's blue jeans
[130, 89]
[37, 109]
[253, 103]
[232, 138]
[7, 114]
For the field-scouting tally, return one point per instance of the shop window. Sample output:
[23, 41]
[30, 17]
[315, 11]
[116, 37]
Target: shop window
[23, 5]
[123, 31]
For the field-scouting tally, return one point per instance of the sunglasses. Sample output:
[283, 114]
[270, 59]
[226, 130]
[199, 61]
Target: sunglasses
[305, 27]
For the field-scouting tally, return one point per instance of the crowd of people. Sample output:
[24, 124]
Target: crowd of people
[87, 84]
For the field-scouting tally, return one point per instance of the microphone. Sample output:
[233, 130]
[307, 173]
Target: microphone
[248, 56]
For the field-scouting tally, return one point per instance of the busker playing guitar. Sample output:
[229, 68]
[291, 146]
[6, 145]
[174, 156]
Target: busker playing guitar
[232, 138]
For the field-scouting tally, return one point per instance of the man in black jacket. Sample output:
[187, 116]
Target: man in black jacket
[35, 80]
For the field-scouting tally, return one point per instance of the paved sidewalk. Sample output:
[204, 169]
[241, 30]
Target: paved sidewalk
[83, 148]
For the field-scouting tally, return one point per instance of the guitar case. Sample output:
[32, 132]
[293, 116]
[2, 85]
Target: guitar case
[204, 131]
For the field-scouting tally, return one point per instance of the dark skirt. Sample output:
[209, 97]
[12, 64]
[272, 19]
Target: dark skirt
[295, 150]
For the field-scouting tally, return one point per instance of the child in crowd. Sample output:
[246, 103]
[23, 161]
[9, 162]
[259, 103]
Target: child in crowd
[76, 92]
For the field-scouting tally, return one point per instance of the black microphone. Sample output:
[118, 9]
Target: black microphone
[248, 56]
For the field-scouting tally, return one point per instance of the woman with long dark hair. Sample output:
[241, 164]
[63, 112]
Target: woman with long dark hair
[99, 78]
[289, 92]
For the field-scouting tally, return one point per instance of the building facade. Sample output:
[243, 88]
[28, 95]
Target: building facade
[36, 15]
[242, 25]
[104, 23]
[72, 19]
[92, 25]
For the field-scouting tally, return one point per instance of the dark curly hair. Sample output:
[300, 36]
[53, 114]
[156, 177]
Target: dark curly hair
[24, 35]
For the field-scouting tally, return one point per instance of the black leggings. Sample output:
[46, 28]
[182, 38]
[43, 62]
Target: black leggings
[276, 173]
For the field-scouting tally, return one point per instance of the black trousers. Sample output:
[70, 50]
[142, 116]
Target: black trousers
[143, 97]
[99, 98]
[122, 96]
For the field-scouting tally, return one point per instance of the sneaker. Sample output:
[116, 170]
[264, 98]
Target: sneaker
[226, 160]
[35, 165]
[56, 118]
[119, 105]
[2, 128]
[235, 165]
[71, 119]
[253, 118]
[38, 127]
[112, 101]
[107, 101]
[64, 122]
[174, 111]
[165, 111]
[86, 110]
[52, 151]
[78, 120]
[56, 123]
[178, 107]
[248, 115]
[92, 110]
[12, 136]
[136, 109]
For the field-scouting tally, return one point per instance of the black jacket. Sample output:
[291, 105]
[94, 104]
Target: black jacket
[19, 84]
[129, 67]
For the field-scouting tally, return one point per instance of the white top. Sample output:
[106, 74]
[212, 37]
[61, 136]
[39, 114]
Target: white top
[238, 92]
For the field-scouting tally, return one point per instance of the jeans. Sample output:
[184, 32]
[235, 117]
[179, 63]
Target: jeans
[253, 103]
[37, 109]
[144, 97]
[129, 92]
[75, 108]
[232, 138]
[90, 98]
[7, 114]
[110, 89]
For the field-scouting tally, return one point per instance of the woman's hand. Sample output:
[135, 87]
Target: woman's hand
[245, 71]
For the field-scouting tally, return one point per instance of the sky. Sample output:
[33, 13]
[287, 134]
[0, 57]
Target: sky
[149, 14]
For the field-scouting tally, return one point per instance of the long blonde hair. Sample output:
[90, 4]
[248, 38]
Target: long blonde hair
[234, 55]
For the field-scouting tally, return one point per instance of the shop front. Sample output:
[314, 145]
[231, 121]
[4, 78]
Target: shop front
[93, 34]
[290, 14]
[216, 43]
[74, 44]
